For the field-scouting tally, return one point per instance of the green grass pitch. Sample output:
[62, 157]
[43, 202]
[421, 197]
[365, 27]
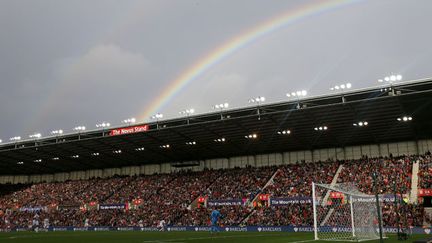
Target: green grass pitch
[161, 237]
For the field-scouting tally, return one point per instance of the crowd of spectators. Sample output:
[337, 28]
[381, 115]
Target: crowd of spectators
[232, 215]
[428, 218]
[405, 214]
[296, 180]
[425, 172]
[392, 174]
[6, 189]
[239, 183]
[139, 187]
[172, 197]
[301, 215]
[76, 217]
[10, 194]
[294, 214]
[173, 201]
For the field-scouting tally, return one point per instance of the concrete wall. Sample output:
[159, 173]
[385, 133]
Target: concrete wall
[351, 152]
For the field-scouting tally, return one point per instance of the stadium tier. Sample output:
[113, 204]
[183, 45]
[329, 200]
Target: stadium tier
[275, 195]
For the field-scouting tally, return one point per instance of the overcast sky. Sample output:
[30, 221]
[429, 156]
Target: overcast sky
[68, 63]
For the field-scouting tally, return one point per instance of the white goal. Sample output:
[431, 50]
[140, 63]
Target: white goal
[343, 213]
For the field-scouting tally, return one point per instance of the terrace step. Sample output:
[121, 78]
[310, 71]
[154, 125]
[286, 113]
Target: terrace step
[414, 182]
[428, 211]
[333, 183]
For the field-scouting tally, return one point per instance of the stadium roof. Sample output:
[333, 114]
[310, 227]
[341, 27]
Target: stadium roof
[379, 107]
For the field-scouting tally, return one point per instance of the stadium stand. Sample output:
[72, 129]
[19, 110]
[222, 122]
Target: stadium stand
[296, 180]
[140, 188]
[171, 196]
[243, 183]
[391, 170]
[425, 173]
[295, 214]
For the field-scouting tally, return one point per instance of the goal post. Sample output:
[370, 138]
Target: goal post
[342, 213]
[314, 212]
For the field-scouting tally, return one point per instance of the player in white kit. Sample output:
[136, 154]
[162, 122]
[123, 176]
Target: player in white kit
[46, 223]
[35, 223]
[162, 225]
[86, 222]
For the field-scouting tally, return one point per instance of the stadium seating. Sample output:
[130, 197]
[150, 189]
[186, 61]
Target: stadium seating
[389, 170]
[296, 180]
[296, 214]
[243, 182]
[425, 173]
[173, 197]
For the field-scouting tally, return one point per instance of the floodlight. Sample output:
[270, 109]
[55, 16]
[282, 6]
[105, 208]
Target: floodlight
[57, 132]
[80, 128]
[36, 135]
[103, 124]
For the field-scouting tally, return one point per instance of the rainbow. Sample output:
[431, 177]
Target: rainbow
[235, 44]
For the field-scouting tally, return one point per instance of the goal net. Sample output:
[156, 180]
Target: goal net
[343, 213]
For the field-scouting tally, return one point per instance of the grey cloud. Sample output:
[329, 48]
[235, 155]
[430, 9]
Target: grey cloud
[64, 63]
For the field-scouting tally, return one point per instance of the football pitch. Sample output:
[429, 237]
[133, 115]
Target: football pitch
[161, 237]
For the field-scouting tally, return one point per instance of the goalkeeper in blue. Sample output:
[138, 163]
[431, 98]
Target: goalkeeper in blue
[214, 217]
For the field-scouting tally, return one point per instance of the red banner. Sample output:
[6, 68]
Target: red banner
[425, 192]
[128, 130]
